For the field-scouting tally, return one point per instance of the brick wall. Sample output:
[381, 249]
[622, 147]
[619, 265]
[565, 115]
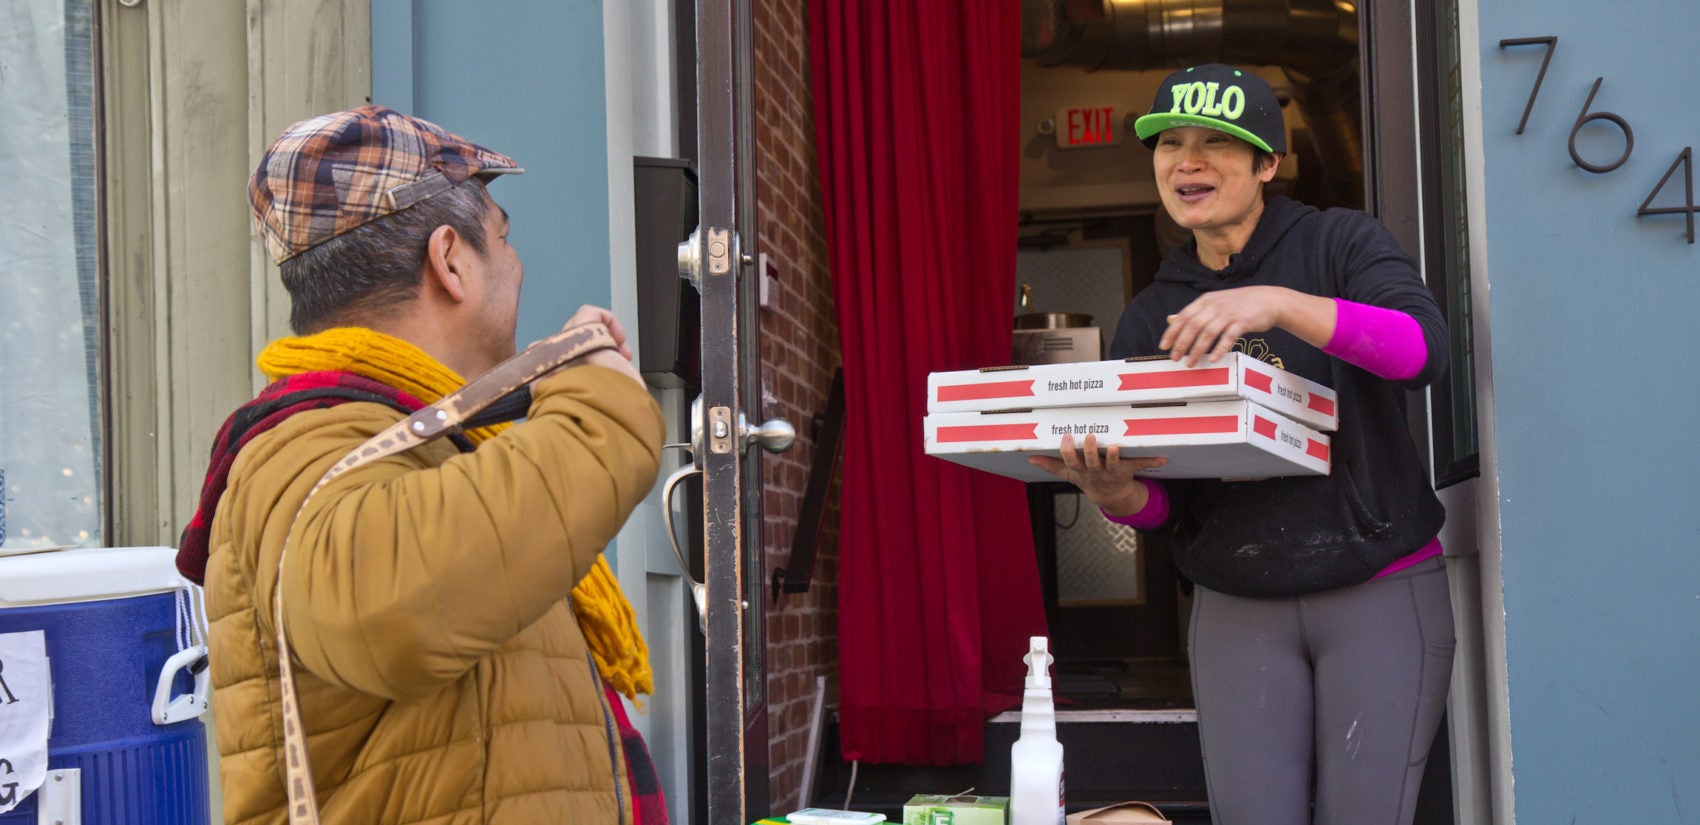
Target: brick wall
[799, 352]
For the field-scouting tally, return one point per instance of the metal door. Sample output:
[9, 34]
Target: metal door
[719, 260]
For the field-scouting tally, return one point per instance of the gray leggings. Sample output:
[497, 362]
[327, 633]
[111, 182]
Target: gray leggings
[1351, 682]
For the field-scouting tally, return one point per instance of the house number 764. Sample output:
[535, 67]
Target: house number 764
[1685, 158]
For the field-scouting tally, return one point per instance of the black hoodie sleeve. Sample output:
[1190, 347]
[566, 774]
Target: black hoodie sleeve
[1369, 267]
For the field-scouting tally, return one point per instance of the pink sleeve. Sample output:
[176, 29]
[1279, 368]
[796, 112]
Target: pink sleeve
[1153, 514]
[1386, 342]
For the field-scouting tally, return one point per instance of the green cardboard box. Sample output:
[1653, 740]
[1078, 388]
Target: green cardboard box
[932, 809]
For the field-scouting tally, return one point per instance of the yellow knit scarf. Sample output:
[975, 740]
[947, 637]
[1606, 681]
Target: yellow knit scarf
[602, 610]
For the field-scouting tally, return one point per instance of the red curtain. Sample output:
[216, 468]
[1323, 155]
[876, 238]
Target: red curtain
[916, 110]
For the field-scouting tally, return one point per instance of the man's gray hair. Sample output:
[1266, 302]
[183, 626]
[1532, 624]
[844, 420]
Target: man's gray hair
[365, 272]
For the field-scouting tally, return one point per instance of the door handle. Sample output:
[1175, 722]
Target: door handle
[775, 435]
[698, 594]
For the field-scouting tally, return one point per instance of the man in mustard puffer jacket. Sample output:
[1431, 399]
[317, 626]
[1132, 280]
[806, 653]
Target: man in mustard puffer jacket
[442, 671]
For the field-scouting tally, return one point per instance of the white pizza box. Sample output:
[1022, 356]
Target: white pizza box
[1133, 381]
[1205, 439]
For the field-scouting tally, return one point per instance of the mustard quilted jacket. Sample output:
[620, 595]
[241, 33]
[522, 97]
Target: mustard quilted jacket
[441, 673]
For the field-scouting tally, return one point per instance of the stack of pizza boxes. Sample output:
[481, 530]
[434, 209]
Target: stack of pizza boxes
[1236, 418]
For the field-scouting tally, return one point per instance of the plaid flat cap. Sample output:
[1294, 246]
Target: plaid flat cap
[332, 173]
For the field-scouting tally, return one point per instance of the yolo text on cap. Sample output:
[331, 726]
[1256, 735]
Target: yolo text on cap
[1200, 98]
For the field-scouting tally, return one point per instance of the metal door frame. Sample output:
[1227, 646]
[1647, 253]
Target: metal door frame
[1398, 44]
[734, 686]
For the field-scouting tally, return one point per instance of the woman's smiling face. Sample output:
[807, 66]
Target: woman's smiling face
[1206, 180]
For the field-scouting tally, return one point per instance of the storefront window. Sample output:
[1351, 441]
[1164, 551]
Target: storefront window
[49, 278]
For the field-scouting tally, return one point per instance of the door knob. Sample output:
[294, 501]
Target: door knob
[775, 435]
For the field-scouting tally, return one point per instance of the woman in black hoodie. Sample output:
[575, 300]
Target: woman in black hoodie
[1322, 627]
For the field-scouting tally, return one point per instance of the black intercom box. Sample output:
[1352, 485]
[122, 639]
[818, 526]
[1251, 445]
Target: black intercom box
[669, 314]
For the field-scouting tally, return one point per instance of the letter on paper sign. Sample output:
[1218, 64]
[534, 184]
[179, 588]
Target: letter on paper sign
[24, 703]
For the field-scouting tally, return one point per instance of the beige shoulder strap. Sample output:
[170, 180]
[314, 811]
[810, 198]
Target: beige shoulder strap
[431, 422]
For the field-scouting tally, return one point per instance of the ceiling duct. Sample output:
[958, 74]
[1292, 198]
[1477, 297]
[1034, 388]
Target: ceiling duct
[1314, 41]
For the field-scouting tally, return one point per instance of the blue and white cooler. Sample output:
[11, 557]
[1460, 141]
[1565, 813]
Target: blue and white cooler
[103, 680]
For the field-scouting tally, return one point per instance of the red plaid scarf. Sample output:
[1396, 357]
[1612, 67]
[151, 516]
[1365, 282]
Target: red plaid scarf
[278, 401]
[649, 806]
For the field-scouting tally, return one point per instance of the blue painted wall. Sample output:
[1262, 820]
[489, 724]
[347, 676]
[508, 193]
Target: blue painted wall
[1593, 316]
[522, 77]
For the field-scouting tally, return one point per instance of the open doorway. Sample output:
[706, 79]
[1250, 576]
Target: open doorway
[1086, 185]
[1093, 233]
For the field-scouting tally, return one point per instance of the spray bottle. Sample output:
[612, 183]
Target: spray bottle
[1036, 760]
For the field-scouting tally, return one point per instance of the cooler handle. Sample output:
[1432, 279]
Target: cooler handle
[169, 710]
[60, 800]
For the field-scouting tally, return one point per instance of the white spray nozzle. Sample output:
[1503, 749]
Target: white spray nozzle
[1038, 661]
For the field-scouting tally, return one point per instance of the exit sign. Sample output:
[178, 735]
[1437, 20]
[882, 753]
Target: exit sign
[1089, 126]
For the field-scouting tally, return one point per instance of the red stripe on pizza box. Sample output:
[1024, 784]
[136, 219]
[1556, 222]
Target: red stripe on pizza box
[1321, 405]
[1259, 381]
[995, 389]
[1195, 425]
[987, 432]
[1171, 380]
[1263, 426]
[1317, 450]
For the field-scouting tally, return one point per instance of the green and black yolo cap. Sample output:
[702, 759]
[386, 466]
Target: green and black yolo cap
[1217, 97]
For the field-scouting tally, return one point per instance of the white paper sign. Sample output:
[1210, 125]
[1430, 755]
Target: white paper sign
[26, 701]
